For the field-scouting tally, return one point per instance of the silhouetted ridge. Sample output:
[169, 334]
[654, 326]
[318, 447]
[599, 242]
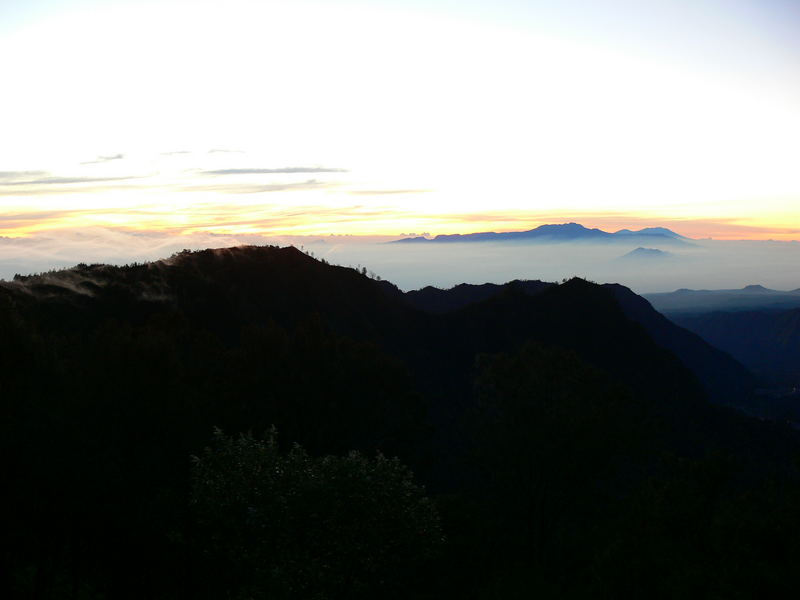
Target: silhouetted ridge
[439, 301]
[751, 297]
[223, 289]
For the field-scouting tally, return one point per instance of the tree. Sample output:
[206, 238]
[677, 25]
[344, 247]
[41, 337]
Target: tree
[289, 525]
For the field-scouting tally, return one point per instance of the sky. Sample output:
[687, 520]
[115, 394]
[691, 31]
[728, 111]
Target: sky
[384, 117]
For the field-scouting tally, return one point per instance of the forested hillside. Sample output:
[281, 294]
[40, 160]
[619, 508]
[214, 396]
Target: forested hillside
[254, 423]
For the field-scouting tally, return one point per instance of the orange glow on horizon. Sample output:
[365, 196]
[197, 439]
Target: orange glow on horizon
[362, 221]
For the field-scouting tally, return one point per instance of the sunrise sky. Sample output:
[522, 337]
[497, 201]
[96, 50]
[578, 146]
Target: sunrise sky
[382, 117]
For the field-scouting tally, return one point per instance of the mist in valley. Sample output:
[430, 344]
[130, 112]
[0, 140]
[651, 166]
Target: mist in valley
[705, 264]
[696, 264]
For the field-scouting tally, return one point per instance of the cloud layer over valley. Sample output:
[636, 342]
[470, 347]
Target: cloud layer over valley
[705, 264]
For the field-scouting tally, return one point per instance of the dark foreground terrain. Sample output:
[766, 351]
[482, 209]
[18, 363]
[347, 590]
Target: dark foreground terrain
[254, 423]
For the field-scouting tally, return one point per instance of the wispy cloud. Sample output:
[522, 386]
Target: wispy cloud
[30, 216]
[385, 192]
[41, 186]
[214, 216]
[42, 183]
[102, 159]
[14, 175]
[176, 152]
[36, 221]
[285, 170]
[244, 188]
[224, 151]
[63, 180]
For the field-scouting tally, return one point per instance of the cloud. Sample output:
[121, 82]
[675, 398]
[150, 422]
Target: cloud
[71, 227]
[385, 192]
[31, 216]
[289, 170]
[55, 185]
[41, 183]
[257, 188]
[223, 151]
[497, 219]
[64, 180]
[15, 222]
[175, 152]
[13, 175]
[102, 159]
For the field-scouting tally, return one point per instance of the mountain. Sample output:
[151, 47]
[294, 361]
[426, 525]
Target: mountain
[766, 341]
[435, 300]
[221, 290]
[756, 289]
[646, 255]
[549, 233]
[699, 301]
[228, 289]
[565, 232]
[224, 291]
[579, 316]
[563, 434]
[656, 231]
[725, 380]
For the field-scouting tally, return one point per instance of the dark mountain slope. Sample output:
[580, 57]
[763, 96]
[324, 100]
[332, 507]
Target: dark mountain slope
[578, 316]
[550, 426]
[226, 291]
[766, 341]
[591, 321]
[725, 380]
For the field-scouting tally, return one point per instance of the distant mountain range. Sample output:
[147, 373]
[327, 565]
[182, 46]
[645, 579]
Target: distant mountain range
[766, 341]
[758, 326]
[700, 301]
[652, 231]
[564, 232]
